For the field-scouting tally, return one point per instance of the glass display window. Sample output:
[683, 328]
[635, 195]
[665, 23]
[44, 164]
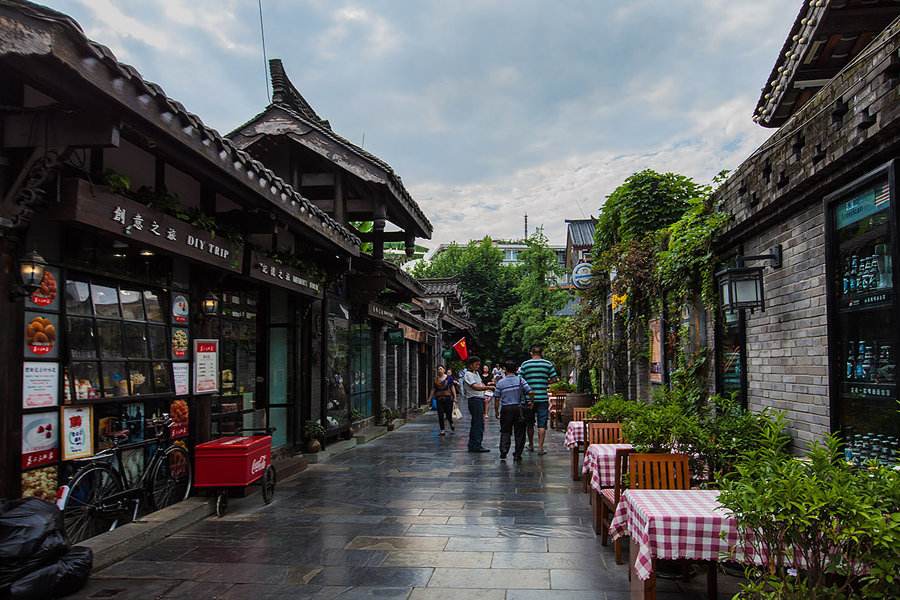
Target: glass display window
[862, 251]
[337, 409]
[361, 392]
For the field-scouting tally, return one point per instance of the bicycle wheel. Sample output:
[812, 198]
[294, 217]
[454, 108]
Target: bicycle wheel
[84, 512]
[171, 479]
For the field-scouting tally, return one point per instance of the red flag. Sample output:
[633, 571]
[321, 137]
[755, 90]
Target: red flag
[461, 350]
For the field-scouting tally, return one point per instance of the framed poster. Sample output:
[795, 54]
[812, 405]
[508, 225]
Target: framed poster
[181, 309]
[181, 375]
[46, 297]
[206, 366]
[656, 371]
[41, 335]
[40, 439]
[41, 483]
[180, 343]
[178, 411]
[40, 384]
[78, 437]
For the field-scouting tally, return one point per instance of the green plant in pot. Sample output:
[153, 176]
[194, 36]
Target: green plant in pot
[356, 415]
[614, 409]
[561, 387]
[314, 433]
[387, 417]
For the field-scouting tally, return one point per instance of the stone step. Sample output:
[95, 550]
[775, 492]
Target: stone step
[369, 433]
[331, 451]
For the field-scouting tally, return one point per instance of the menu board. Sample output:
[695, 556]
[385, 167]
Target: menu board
[40, 439]
[181, 375]
[46, 297]
[78, 439]
[206, 366]
[41, 335]
[40, 384]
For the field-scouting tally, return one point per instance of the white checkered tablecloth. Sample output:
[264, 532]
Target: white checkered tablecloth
[574, 434]
[674, 524]
[600, 463]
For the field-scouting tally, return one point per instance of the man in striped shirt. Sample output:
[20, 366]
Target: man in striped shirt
[539, 373]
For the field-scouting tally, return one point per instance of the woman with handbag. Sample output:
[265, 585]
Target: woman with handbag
[515, 397]
[444, 392]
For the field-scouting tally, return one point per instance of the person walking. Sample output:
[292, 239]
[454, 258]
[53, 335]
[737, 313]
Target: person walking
[444, 392]
[487, 378]
[539, 373]
[514, 394]
[473, 391]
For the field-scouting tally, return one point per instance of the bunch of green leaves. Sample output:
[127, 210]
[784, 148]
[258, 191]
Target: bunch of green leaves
[561, 387]
[614, 409]
[116, 182]
[815, 528]
[313, 430]
[663, 426]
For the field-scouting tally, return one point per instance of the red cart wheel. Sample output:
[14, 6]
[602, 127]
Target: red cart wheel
[221, 503]
[268, 484]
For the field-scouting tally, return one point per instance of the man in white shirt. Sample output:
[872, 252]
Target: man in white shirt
[473, 392]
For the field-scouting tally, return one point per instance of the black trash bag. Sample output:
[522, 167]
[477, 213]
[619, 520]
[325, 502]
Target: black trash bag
[65, 576]
[31, 536]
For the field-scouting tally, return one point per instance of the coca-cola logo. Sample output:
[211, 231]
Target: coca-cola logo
[258, 465]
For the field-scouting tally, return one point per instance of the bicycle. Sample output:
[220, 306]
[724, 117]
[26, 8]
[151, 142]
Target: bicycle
[100, 495]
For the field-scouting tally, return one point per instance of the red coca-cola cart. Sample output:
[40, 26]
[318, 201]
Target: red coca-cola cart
[232, 463]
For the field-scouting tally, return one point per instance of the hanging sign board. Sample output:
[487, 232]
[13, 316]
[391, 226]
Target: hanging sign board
[46, 297]
[181, 309]
[582, 275]
[265, 269]
[40, 384]
[206, 366]
[394, 336]
[863, 205]
[101, 208]
[40, 439]
[78, 438]
[382, 313]
[41, 335]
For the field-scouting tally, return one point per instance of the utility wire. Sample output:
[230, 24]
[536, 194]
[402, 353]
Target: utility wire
[262, 33]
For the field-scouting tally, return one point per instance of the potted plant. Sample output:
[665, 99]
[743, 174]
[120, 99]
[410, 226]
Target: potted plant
[314, 433]
[387, 417]
[356, 418]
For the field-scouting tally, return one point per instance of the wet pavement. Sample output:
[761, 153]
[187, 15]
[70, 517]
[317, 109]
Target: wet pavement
[409, 515]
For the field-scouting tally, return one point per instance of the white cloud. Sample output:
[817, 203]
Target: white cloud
[350, 22]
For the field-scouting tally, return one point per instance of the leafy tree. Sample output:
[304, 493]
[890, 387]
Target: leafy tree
[488, 288]
[531, 319]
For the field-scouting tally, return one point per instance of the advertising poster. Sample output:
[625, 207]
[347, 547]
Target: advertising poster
[181, 375]
[655, 351]
[179, 343]
[41, 335]
[40, 384]
[181, 309]
[41, 483]
[46, 297]
[178, 411]
[40, 439]
[206, 366]
[78, 439]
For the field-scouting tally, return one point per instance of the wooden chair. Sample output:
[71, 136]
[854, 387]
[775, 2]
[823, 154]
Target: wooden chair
[645, 472]
[604, 433]
[579, 414]
[557, 402]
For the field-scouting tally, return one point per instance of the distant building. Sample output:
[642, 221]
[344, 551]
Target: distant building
[512, 250]
[579, 241]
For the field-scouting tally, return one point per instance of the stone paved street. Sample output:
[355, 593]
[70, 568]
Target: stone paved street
[410, 515]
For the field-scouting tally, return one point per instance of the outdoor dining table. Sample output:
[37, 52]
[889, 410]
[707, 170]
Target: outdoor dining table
[673, 524]
[574, 442]
[599, 465]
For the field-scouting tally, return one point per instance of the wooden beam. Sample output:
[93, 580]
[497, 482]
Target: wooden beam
[385, 236]
[340, 210]
[317, 179]
[32, 128]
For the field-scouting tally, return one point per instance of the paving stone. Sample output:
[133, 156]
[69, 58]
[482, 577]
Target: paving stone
[469, 560]
[397, 543]
[455, 594]
[498, 544]
[538, 579]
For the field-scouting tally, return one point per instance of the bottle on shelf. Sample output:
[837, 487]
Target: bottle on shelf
[860, 372]
[885, 265]
[854, 265]
[850, 373]
[845, 278]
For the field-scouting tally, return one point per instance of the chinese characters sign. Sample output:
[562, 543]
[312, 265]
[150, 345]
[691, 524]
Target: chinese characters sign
[40, 384]
[40, 439]
[265, 269]
[100, 208]
[78, 439]
[206, 366]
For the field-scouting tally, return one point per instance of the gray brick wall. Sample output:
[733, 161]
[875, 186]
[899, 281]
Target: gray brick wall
[787, 345]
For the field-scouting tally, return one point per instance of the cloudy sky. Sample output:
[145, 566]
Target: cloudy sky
[488, 109]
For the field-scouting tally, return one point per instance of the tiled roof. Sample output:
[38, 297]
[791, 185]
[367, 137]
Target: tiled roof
[447, 286]
[280, 193]
[581, 232]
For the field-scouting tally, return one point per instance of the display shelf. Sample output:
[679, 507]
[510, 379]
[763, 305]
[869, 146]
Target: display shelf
[879, 233]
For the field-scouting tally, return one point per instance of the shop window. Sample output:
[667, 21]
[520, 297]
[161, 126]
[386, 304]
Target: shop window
[337, 412]
[731, 375]
[361, 369]
[863, 345]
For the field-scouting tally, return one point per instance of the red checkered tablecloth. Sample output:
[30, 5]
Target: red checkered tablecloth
[674, 524]
[574, 434]
[600, 463]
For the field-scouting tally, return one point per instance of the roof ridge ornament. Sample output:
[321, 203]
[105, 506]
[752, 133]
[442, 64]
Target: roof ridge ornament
[285, 93]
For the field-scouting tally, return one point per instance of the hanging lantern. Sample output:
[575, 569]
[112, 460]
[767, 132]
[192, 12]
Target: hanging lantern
[211, 304]
[31, 271]
[742, 287]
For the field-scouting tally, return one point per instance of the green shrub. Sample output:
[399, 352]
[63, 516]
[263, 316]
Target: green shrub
[613, 409]
[312, 429]
[663, 426]
[815, 528]
[561, 387]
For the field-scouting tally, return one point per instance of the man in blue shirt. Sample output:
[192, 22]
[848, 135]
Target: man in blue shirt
[515, 395]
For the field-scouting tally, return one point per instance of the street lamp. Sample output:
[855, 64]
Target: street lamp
[31, 269]
[742, 287]
[210, 304]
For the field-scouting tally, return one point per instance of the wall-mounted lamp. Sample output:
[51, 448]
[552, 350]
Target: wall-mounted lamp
[31, 273]
[742, 287]
[210, 304]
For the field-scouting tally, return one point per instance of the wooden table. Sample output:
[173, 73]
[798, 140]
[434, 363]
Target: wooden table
[673, 524]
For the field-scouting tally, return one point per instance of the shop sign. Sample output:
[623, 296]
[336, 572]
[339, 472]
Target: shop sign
[46, 297]
[412, 334]
[377, 311]
[180, 342]
[206, 366]
[265, 269]
[40, 439]
[78, 438]
[181, 309]
[106, 210]
[178, 412]
[582, 275]
[863, 205]
[40, 384]
[394, 336]
[180, 374]
[41, 335]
